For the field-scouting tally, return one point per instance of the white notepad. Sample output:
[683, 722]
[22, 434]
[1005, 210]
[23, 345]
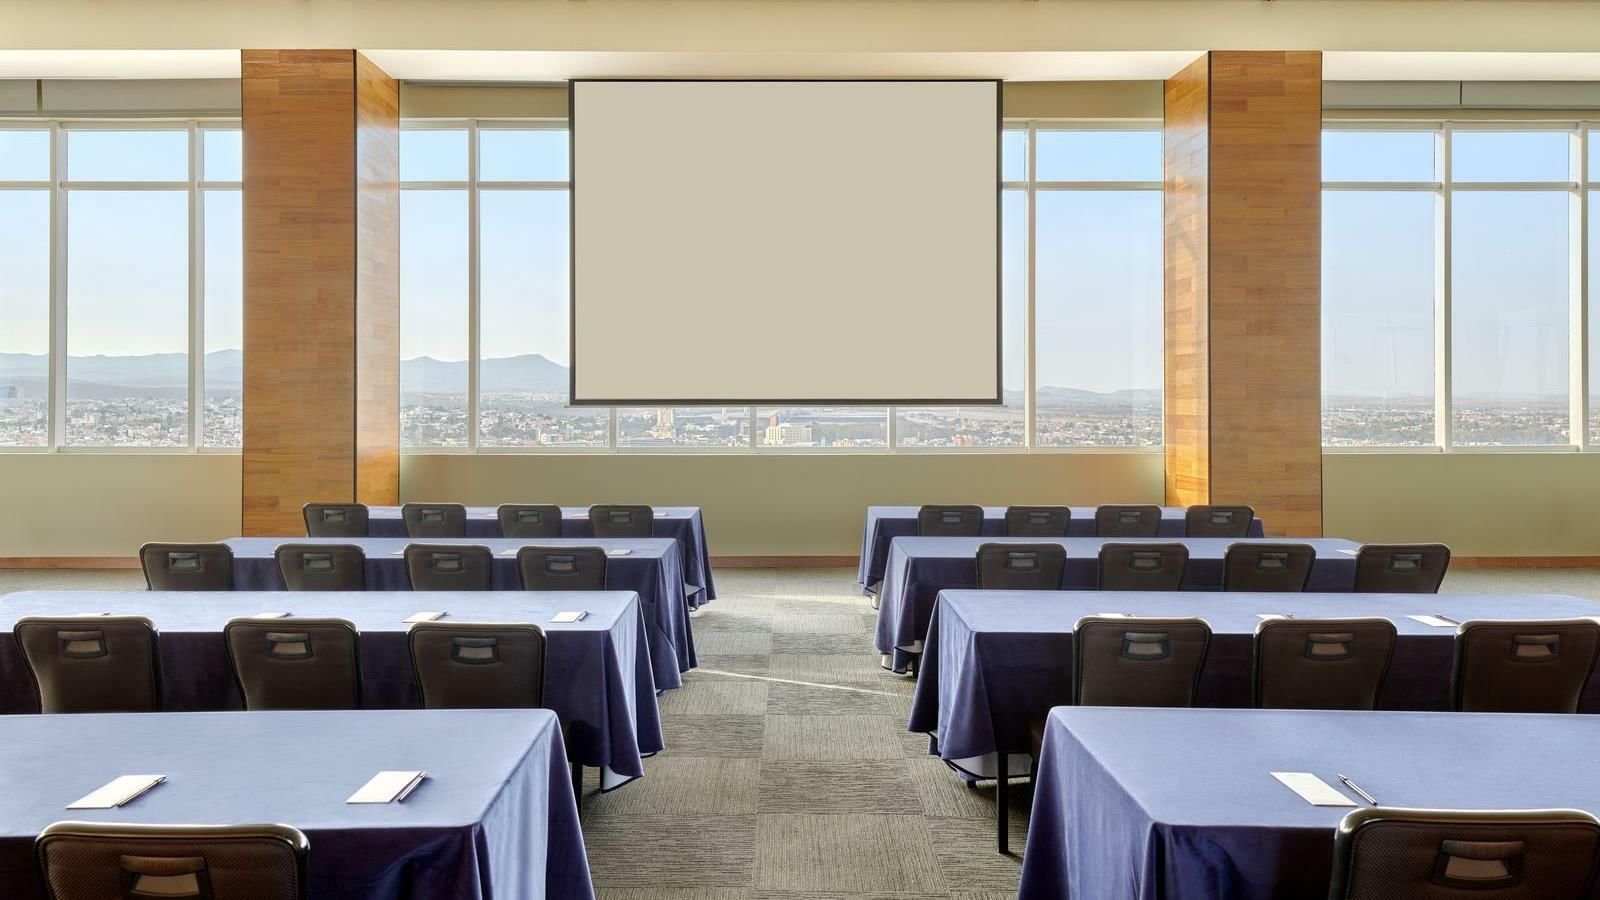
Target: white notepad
[1435, 621]
[270, 615]
[620, 551]
[414, 618]
[1348, 552]
[1312, 789]
[1269, 616]
[389, 787]
[567, 617]
[80, 614]
[117, 792]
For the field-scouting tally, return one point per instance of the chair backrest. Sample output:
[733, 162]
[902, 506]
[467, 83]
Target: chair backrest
[187, 567]
[1401, 568]
[102, 861]
[1038, 521]
[1218, 521]
[1021, 567]
[434, 520]
[1267, 567]
[1528, 666]
[322, 567]
[950, 521]
[341, 520]
[295, 663]
[1321, 663]
[529, 520]
[1134, 661]
[92, 664]
[1425, 854]
[469, 665]
[562, 568]
[449, 567]
[610, 521]
[1142, 567]
[1127, 521]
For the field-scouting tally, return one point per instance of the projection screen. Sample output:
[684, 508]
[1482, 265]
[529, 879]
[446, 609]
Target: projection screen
[785, 242]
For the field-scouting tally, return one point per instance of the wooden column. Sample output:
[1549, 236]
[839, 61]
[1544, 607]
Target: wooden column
[1243, 285]
[321, 284]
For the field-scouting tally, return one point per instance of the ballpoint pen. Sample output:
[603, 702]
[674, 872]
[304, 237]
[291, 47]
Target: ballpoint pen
[1357, 788]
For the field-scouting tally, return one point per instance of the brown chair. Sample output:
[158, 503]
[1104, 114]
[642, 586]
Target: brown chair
[950, 521]
[1021, 567]
[1142, 567]
[322, 567]
[1528, 666]
[336, 520]
[562, 568]
[1401, 568]
[529, 520]
[1321, 663]
[295, 663]
[1218, 521]
[187, 567]
[1038, 521]
[1423, 854]
[468, 665]
[434, 520]
[104, 860]
[622, 521]
[449, 567]
[1281, 568]
[92, 664]
[1127, 521]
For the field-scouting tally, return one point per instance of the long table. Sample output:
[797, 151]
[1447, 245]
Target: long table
[683, 524]
[1150, 804]
[599, 680]
[650, 567]
[885, 523]
[921, 567]
[496, 817]
[996, 661]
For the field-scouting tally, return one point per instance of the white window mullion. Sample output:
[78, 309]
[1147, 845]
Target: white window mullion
[473, 332]
[197, 302]
[1443, 379]
[57, 390]
[1579, 287]
[1030, 380]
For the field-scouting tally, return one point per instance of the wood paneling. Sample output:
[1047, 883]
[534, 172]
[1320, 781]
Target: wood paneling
[1186, 190]
[377, 285]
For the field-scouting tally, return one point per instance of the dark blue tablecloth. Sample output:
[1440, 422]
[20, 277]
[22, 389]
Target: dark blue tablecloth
[683, 524]
[996, 661]
[650, 569]
[885, 523]
[599, 680]
[1174, 804]
[495, 820]
[921, 567]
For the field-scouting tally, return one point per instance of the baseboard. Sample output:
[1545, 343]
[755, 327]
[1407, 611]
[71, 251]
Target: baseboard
[69, 562]
[784, 562]
[1525, 562]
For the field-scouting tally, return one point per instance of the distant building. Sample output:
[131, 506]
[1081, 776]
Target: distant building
[11, 392]
[786, 434]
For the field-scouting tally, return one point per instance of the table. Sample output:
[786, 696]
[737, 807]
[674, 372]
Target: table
[681, 523]
[995, 661]
[495, 819]
[599, 679]
[921, 567]
[885, 523]
[650, 569]
[1125, 808]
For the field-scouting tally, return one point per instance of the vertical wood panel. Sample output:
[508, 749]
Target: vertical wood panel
[377, 124]
[1186, 153]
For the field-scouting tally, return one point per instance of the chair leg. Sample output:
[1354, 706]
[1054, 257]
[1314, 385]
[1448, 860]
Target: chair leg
[911, 666]
[577, 786]
[1002, 816]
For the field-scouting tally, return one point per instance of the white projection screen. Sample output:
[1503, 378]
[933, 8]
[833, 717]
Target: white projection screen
[785, 242]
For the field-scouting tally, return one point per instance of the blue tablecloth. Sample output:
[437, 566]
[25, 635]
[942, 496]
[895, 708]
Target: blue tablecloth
[650, 569]
[683, 524]
[885, 523]
[1150, 804]
[495, 820]
[921, 567]
[599, 680]
[996, 661]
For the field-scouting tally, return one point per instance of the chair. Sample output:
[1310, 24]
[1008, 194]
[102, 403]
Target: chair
[1218, 521]
[1127, 521]
[1321, 663]
[463, 665]
[335, 520]
[322, 567]
[92, 664]
[1142, 567]
[449, 567]
[528, 520]
[1021, 567]
[950, 521]
[102, 860]
[1401, 568]
[1267, 567]
[622, 521]
[434, 520]
[562, 568]
[187, 567]
[1529, 666]
[295, 663]
[1423, 854]
[1037, 521]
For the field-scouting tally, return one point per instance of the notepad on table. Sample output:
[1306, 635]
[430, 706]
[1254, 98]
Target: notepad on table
[80, 614]
[569, 616]
[1312, 789]
[414, 618]
[270, 615]
[389, 787]
[1435, 621]
[1266, 617]
[619, 551]
[1348, 552]
[116, 792]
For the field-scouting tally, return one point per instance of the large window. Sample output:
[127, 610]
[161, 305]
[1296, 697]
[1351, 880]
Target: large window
[120, 300]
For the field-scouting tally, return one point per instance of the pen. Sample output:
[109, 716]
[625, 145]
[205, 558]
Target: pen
[1357, 788]
[1446, 619]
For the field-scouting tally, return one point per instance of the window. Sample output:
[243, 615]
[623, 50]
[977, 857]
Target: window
[223, 288]
[24, 287]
